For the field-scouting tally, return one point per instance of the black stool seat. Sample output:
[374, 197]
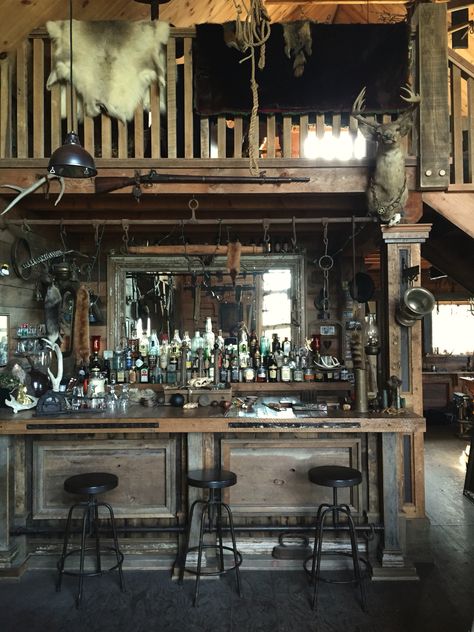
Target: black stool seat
[91, 483]
[212, 478]
[335, 476]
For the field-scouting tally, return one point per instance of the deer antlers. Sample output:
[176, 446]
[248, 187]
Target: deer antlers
[359, 104]
[23, 192]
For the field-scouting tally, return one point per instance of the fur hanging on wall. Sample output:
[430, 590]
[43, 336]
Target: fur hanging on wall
[114, 64]
[81, 341]
[52, 304]
[298, 44]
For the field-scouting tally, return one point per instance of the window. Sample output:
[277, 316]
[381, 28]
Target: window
[276, 308]
[453, 329]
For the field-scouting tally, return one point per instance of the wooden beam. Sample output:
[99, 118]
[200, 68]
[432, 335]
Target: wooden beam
[316, 2]
[458, 208]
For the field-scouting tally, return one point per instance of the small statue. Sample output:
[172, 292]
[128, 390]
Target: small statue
[23, 401]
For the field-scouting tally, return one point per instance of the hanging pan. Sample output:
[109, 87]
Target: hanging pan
[361, 287]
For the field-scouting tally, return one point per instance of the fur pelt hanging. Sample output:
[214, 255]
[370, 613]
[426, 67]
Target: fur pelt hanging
[52, 308]
[234, 250]
[298, 44]
[115, 62]
[81, 341]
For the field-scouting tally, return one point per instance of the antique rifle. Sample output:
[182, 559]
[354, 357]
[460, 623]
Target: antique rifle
[113, 183]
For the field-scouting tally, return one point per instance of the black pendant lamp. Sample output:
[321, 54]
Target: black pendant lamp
[71, 160]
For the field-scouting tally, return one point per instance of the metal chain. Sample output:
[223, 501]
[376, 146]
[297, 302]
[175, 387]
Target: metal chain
[325, 263]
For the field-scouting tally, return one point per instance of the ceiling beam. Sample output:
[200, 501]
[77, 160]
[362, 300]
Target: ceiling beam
[317, 2]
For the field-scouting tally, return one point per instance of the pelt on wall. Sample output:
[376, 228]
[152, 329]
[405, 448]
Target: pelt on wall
[114, 64]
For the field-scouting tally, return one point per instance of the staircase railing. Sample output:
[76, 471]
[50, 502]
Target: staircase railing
[461, 90]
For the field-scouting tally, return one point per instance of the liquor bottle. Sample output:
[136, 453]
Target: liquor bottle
[286, 347]
[285, 371]
[196, 342]
[234, 368]
[272, 370]
[253, 343]
[144, 377]
[264, 346]
[220, 340]
[176, 342]
[94, 363]
[209, 335]
[261, 373]
[186, 339]
[172, 370]
[119, 365]
[276, 346]
[144, 344]
[298, 371]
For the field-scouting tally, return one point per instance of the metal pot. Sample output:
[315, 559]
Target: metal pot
[416, 303]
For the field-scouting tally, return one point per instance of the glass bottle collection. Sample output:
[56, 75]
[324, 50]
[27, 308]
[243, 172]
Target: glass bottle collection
[153, 359]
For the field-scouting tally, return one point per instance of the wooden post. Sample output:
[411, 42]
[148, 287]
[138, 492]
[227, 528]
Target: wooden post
[403, 351]
[434, 149]
[9, 557]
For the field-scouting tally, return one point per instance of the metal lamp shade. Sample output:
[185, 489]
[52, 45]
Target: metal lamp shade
[71, 160]
[416, 303]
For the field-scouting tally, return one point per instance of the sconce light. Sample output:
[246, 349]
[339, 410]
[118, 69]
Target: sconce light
[4, 269]
[416, 303]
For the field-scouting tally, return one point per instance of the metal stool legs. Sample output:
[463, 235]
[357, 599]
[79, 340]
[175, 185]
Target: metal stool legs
[212, 510]
[335, 510]
[89, 525]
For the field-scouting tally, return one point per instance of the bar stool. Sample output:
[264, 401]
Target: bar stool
[89, 485]
[213, 480]
[335, 476]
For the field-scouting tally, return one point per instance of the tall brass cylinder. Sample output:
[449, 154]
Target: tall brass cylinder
[361, 400]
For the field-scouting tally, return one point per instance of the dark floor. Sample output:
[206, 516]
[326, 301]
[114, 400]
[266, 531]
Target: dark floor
[443, 601]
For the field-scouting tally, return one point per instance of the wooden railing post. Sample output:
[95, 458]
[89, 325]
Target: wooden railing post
[434, 141]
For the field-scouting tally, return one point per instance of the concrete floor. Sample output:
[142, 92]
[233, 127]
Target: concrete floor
[442, 601]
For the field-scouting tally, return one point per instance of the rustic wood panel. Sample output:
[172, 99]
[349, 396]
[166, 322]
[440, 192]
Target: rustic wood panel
[171, 97]
[89, 143]
[22, 101]
[155, 129]
[38, 98]
[188, 98]
[456, 122]
[138, 135]
[106, 136]
[271, 134]
[204, 139]
[272, 475]
[146, 471]
[221, 136]
[470, 126]
[434, 149]
[5, 110]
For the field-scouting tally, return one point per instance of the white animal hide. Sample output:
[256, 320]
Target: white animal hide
[114, 64]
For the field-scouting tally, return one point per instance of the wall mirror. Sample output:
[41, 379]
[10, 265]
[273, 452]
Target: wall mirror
[4, 338]
[180, 292]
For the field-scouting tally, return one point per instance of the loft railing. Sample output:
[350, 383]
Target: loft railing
[31, 126]
[461, 84]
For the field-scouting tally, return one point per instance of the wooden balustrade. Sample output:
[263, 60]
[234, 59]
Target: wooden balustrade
[461, 82]
[31, 126]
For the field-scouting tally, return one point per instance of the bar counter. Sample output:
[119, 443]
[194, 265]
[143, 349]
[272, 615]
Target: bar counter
[270, 451]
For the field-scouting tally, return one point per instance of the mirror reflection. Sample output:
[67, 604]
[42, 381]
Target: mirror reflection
[3, 339]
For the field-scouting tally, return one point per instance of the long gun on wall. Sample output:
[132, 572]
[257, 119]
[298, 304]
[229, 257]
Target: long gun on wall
[114, 183]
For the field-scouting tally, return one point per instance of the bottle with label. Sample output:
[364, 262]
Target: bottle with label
[285, 371]
[298, 371]
[119, 365]
[286, 347]
[172, 370]
[143, 345]
[261, 374]
[176, 342]
[209, 335]
[220, 340]
[272, 370]
[253, 343]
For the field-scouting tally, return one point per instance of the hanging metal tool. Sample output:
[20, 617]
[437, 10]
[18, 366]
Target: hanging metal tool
[325, 263]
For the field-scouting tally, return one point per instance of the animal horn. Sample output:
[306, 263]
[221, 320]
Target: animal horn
[23, 192]
[358, 107]
[412, 97]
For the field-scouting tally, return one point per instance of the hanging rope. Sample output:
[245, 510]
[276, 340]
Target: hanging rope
[252, 33]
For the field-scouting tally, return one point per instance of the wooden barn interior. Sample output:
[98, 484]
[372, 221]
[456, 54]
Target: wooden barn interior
[330, 141]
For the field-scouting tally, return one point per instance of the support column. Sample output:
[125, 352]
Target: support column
[10, 559]
[403, 356]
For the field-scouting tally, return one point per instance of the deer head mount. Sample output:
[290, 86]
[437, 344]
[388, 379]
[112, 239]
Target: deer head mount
[387, 192]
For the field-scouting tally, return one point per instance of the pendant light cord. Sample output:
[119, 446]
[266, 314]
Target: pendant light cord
[70, 66]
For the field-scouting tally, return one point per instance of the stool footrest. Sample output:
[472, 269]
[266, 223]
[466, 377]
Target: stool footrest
[90, 573]
[327, 580]
[216, 547]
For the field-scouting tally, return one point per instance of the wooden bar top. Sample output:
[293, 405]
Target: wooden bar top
[167, 419]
